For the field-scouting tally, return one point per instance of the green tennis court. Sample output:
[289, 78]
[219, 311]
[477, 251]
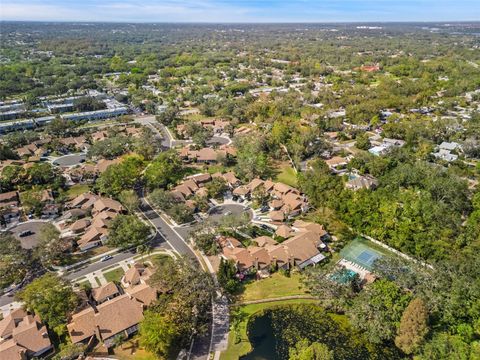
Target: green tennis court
[362, 252]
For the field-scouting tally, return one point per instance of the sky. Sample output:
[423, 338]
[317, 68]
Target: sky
[228, 11]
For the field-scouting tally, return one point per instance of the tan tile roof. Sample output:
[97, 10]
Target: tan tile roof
[264, 240]
[143, 293]
[82, 326]
[268, 185]
[105, 203]
[31, 335]
[9, 196]
[283, 231]
[201, 178]
[79, 225]
[112, 317]
[230, 178]
[117, 315]
[240, 256]
[132, 276]
[7, 324]
[302, 247]
[241, 190]
[283, 188]
[207, 154]
[309, 226]
[278, 253]
[260, 256]
[276, 215]
[108, 290]
[9, 350]
[255, 183]
[230, 242]
[336, 160]
[183, 189]
[92, 234]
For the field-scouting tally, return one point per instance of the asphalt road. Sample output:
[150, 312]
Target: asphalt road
[165, 231]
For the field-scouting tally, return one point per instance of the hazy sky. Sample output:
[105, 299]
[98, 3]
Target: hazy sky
[240, 10]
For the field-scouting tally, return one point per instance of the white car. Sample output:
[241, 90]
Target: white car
[106, 257]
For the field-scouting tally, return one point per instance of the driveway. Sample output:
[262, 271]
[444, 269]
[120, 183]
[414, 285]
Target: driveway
[30, 241]
[70, 160]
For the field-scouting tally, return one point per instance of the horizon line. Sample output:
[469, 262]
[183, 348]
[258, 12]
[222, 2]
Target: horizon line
[245, 22]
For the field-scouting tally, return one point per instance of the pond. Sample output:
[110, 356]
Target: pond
[262, 338]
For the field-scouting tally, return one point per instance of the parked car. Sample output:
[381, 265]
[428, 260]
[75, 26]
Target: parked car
[227, 213]
[26, 233]
[106, 257]
[264, 209]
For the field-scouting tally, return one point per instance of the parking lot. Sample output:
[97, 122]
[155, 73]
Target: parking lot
[29, 241]
[70, 160]
[215, 214]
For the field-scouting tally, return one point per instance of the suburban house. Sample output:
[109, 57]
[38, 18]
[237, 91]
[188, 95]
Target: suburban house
[385, 146]
[337, 164]
[136, 275]
[9, 206]
[303, 247]
[105, 292]
[448, 151]
[362, 182]
[23, 336]
[93, 232]
[118, 316]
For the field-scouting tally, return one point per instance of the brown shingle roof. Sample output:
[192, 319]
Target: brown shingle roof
[283, 231]
[143, 293]
[105, 291]
[264, 240]
[31, 335]
[112, 317]
[11, 351]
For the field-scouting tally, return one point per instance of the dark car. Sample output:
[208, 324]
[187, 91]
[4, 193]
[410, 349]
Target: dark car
[25, 233]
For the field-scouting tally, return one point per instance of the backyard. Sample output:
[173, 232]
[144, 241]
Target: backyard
[287, 175]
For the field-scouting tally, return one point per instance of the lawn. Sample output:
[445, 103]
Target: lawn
[287, 175]
[277, 285]
[114, 275]
[131, 350]
[238, 343]
[76, 190]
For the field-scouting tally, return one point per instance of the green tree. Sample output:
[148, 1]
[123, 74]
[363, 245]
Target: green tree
[217, 188]
[51, 247]
[315, 351]
[129, 199]
[444, 346]
[226, 275]
[252, 161]
[119, 177]
[13, 260]
[165, 170]
[168, 116]
[159, 334]
[52, 299]
[127, 231]
[378, 309]
[363, 142]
